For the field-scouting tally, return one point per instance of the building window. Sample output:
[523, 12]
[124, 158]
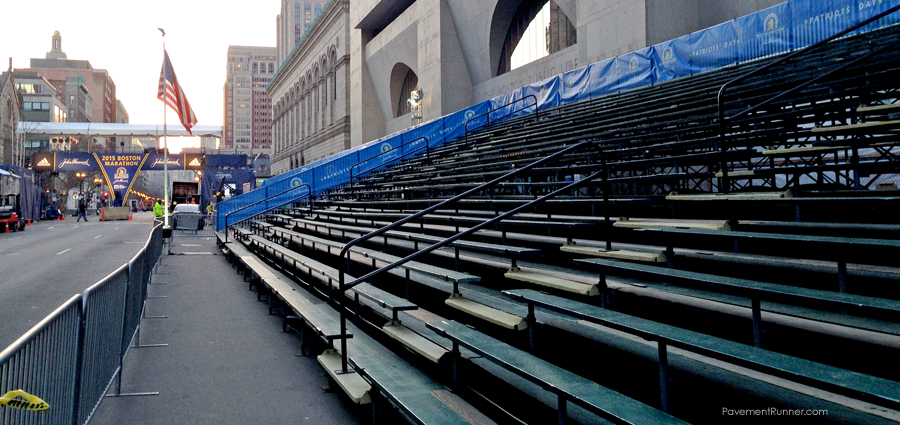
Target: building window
[539, 28]
[71, 99]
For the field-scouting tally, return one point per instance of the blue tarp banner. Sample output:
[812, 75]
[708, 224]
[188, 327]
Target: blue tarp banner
[672, 59]
[212, 179]
[546, 92]
[603, 78]
[574, 86]
[222, 161]
[774, 30]
[816, 20]
[713, 48]
[635, 69]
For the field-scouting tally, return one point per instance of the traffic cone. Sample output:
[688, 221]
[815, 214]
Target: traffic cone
[28, 223]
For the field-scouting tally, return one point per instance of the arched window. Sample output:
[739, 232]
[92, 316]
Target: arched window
[403, 81]
[538, 28]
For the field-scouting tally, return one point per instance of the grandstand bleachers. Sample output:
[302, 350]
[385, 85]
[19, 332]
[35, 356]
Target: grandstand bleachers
[794, 244]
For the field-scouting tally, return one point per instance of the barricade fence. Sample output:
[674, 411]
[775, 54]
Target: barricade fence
[73, 356]
[779, 29]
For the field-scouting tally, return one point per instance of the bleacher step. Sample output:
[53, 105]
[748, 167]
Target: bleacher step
[877, 108]
[647, 257]
[872, 125]
[627, 223]
[490, 314]
[462, 408]
[421, 345]
[352, 383]
[737, 174]
[808, 150]
[553, 282]
[674, 196]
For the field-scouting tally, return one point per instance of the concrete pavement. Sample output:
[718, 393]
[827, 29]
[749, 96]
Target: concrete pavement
[227, 360]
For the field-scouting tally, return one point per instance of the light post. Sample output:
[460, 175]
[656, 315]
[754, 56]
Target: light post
[96, 193]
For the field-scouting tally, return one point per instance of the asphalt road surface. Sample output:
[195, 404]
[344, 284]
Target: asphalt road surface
[51, 261]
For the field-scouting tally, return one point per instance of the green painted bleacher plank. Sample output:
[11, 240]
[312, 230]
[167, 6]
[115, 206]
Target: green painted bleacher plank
[598, 399]
[747, 288]
[877, 390]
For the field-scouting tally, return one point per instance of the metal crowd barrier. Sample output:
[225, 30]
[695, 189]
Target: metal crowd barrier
[72, 358]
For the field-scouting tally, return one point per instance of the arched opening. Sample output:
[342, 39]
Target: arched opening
[403, 81]
[538, 28]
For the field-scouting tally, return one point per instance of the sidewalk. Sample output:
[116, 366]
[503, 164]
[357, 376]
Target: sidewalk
[227, 361]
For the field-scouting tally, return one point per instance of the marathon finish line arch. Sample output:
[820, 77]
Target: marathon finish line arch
[120, 169]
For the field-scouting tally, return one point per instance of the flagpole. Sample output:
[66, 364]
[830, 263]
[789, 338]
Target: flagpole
[165, 152]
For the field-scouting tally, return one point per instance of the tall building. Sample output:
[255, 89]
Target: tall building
[310, 93]
[247, 121]
[295, 18]
[10, 148]
[57, 68]
[40, 102]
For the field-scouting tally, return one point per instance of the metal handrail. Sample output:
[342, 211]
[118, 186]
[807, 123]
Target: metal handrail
[488, 113]
[344, 287]
[770, 65]
[427, 154]
[308, 193]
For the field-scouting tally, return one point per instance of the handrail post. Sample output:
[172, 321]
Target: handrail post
[606, 200]
[343, 321]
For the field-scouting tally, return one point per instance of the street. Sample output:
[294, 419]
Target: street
[50, 261]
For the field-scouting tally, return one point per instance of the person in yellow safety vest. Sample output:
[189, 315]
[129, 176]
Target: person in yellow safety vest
[158, 209]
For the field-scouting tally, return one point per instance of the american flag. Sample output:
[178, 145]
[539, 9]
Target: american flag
[171, 93]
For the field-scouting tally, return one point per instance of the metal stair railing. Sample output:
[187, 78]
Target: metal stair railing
[721, 95]
[343, 287]
[488, 113]
[427, 155]
[307, 194]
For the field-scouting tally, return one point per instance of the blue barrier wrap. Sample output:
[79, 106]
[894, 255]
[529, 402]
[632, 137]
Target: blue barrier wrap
[778, 29]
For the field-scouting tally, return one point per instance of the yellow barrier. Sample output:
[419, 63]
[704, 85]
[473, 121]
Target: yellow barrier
[31, 402]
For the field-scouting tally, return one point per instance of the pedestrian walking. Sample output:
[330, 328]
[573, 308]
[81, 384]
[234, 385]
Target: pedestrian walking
[82, 210]
[158, 209]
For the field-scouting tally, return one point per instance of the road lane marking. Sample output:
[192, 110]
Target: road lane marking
[63, 252]
[190, 244]
[117, 228]
[95, 237]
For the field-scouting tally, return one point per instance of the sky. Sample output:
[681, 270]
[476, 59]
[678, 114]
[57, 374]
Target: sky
[121, 36]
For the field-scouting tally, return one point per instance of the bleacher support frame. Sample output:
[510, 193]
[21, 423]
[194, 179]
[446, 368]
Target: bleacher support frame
[308, 194]
[724, 187]
[488, 113]
[427, 155]
[343, 287]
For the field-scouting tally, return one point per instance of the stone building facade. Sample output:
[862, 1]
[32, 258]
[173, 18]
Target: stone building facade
[11, 151]
[311, 93]
[454, 49]
[346, 83]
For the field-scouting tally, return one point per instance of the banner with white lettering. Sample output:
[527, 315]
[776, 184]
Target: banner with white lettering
[155, 161]
[75, 162]
[120, 170]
